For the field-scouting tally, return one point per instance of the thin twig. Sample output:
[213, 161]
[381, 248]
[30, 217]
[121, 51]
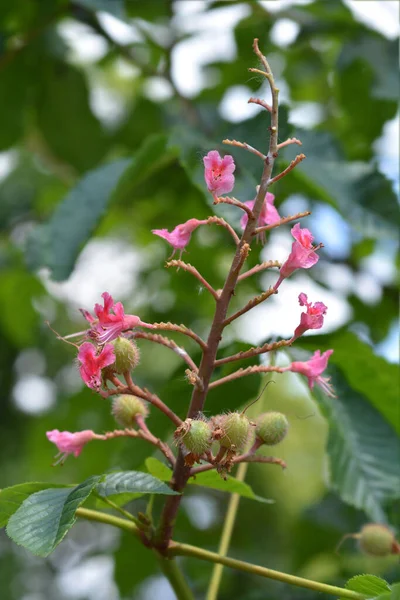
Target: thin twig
[164, 341]
[223, 223]
[153, 399]
[257, 350]
[245, 147]
[288, 142]
[283, 221]
[260, 102]
[292, 165]
[147, 435]
[181, 329]
[251, 304]
[234, 202]
[243, 372]
[180, 264]
[269, 264]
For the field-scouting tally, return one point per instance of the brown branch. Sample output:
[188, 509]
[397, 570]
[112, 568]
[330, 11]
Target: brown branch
[255, 351]
[245, 147]
[260, 102]
[251, 304]
[283, 221]
[147, 435]
[248, 457]
[191, 269]
[243, 372]
[292, 165]
[223, 223]
[181, 329]
[181, 472]
[288, 142]
[152, 399]
[234, 202]
[164, 341]
[258, 268]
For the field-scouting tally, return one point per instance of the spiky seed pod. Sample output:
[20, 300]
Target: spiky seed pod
[271, 428]
[126, 407]
[376, 540]
[195, 435]
[236, 428]
[126, 355]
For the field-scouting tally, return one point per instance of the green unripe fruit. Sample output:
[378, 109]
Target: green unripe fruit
[126, 355]
[195, 435]
[376, 540]
[271, 428]
[236, 428]
[125, 408]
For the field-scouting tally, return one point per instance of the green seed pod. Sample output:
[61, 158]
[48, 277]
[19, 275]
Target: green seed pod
[195, 435]
[126, 355]
[376, 540]
[125, 408]
[271, 428]
[236, 428]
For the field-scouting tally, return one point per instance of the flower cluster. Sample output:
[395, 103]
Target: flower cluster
[107, 350]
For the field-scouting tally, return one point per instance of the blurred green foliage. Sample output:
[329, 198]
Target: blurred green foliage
[78, 179]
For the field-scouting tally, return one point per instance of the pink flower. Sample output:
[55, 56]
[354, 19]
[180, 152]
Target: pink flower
[69, 443]
[313, 369]
[180, 236]
[111, 320]
[218, 173]
[313, 318]
[93, 363]
[302, 256]
[268, 215]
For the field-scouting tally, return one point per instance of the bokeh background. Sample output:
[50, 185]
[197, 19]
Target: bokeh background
[147, 88]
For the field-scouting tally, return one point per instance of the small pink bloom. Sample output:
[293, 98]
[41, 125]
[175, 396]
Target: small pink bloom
[268, 215]
[69, 443]
[93, 363]
[218, 173]
[313, 318]
[302, 255]
[111, 320]
[313, 370]
[180, 236]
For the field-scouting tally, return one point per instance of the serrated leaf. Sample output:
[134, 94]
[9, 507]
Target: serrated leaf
[361, 450]
[11, 498]
[134, 482]
[370, 585]
[210, 479]
[44, 518]
[364, 371]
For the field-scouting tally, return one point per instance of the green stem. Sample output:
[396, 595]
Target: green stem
[177, 549]
[100, 517]
[175, 577]
[233, 506]
[121, 510]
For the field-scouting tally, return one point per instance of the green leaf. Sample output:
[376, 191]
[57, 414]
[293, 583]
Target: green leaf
[158, 469]
[57, 244]
[361, 447]
[115, 7]
[364, 371]
[213, 480]
[65, 119]
[370, 585]
[210, 479]
[123, 482]
[45, 517]
[11, 498]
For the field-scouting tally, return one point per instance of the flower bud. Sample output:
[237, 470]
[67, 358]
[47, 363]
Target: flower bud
[271, 428]
[126, 355]
[236, 428]
[376, 540]
[126, 407]
[195, 435]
